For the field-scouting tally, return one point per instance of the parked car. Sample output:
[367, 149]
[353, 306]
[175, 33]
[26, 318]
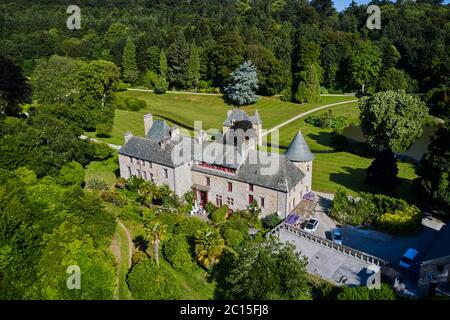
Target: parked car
[336, 235]
[311, 225]
[407, 261]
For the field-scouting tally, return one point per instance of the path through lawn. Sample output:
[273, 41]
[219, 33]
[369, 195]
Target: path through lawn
[182, 110]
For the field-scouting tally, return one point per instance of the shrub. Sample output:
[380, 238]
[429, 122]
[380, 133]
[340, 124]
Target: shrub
[189, 226]
[326, 291]
[97, 183]
[121, 86]
[390, 214]
[109, 196]
[178, 252]
[169, 219]
[134, 104]
[328, 121]
[101, 151]
[220, 215]
[103, 129]
[210, 208]
[71, 173]
[271, 220]
[164, 196]
[250, 218]
[401, 221]
[206, 87]
[161, 86]
[364, 293]
[129, 103]
[286, 94]
[131, 212]
[121, 183]
[148, 281]
[137, 257]
[233, 238]
[150, 79]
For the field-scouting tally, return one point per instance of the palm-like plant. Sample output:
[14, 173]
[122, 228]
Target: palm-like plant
[156, 232]
[209, 246]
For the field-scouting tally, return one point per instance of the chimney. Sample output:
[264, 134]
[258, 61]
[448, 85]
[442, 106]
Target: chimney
[148, 122]
[202, 136]
[128, 135]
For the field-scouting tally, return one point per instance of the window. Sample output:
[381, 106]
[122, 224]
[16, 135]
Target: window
[166, 173]
[307, 168]
[151, 177]
[139, 173]
[150, 165]
[129, 171]
[145, 175]
[230, 201]
[262, 202]
[250, 198]
[131, 159]
[230, 187]
[208, 181]
[218, 200]
[250, 187]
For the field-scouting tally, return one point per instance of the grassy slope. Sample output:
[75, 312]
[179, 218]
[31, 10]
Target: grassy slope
[334, 169]
[182, 110]
[103, 169]
[124, 293]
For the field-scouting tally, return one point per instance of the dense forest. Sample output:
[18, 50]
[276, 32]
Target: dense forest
[283, 38]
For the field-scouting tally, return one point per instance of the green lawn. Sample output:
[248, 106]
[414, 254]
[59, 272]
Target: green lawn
[103, 169]
[336, 169]
[182, 110]
[124, 293]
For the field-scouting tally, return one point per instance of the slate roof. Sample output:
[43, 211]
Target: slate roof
[240, 115]
[149, 150]
[282, 176]
[298, 149]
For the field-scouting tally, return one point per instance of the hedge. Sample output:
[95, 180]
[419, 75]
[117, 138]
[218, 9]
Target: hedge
[220, 214]
[178, 252]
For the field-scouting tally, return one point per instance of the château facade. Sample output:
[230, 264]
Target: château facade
[224, 169]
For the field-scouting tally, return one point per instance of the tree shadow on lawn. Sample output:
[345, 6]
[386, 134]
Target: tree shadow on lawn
[340, 143]
[354, 180]
[219, 274]
[140, 243]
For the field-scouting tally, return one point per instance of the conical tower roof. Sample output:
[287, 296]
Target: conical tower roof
[256, 119]
[298, 149]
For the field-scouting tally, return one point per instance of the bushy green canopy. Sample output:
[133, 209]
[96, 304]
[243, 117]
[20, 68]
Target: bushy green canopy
[392, 120]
